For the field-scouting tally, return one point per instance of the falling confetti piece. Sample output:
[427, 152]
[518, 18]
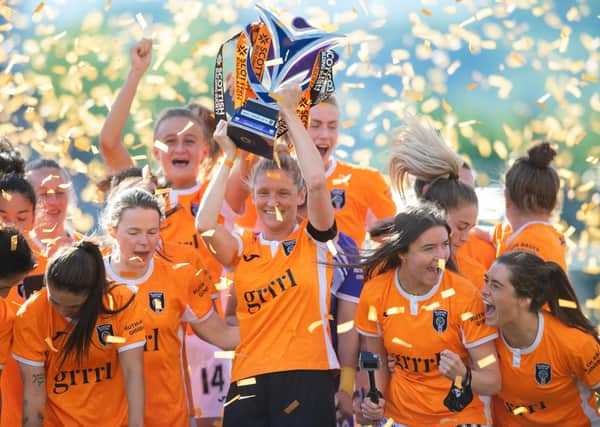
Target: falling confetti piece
[246, 382]
[291, 407]
[186, 127]
[567, 303]
[342, 328]
[180, 265]
[414, 95]
[541, 105]
[208, 233]
[141, 21]
[273, 62]
[111, 302]
[466, 316]
[273, 175]
[50, 344]
[161, 146]
[441, 263]
[448, 293]
[389, 422]
[393, 310]
[136, 258]
[589, 78]
[471, 86]
[13, 242]
[431, 306]
[224, 355]
[223, 284]
[398, 341]
[426, 12]
[446, 106]
[278, 215]
[486, 361]
[458, 382]
[233, 399]
[331, 246]
[39, 8]
[520, 410]
[6, 196]
[348, 123]
[111, 339]
[107, 5]
[372, 314]
[314, 325]
[250, 396]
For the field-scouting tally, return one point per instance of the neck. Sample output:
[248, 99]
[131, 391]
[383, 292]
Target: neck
[521, 332]
[120, 266]
[410, 285]
[278, 235]
[50, 232]
[518, 219]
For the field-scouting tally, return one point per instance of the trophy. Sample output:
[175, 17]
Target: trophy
[268, 54]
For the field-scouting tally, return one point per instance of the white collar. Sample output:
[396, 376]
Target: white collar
[331, 167]
[534, 344]
[175, 193]
[521, 228]
[131, 283]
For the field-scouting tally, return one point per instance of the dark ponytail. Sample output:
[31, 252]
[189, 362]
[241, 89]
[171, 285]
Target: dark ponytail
[545, 282]
[79, 269]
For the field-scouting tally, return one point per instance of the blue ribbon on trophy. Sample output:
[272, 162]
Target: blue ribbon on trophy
[269, 54]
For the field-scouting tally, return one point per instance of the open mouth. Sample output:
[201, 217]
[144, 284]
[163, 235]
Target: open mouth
[141, 255]
[323, 149]
[489, 309]
[180, 163]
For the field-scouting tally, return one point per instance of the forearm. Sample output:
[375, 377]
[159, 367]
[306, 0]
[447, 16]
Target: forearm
[215, 331]
[132, 365]
[485, 381]
[237, 191]
[212, 201]
[34, 397]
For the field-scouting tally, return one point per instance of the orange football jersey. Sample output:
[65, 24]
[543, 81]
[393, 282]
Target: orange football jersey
[283, 292]
[470, 268]
[549, 383]
[415, 330]
[170, 294]
[479, 249]
[92, 394]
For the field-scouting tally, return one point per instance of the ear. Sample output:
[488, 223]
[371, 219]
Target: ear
[524, 303]
[112, 232]
[156, 154]
[302, 197]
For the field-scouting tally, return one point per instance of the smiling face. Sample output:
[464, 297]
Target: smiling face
[66, 303]
[502, 306]
[276, 191]
[461, 220]
[137, 236]
[323, 129]
[17, 210]
[52, 192]
[420, 265]
[187, 150]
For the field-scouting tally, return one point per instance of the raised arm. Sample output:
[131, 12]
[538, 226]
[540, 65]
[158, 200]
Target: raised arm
[237, 191]
[215, 331]
[115, 153]
[34, 394]
[224, 245]
[320, 209]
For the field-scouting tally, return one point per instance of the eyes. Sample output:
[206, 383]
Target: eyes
[137, 232]
[429, 248]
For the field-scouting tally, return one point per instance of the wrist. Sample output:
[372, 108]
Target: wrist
[347, 380]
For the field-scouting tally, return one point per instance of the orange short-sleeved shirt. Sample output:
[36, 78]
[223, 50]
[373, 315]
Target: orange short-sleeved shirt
[479, 249]
[415, 330]
[470, 268]
[283, 292]
[169, 294]
[7, 318]
[360, 196]
[538, 237]
[92, 394]
[549, 383]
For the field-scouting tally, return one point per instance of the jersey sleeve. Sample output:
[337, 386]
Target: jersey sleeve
[380, 202]
[368, 312]
[472, 320]
[197, 301]
[131, 325]
[6, 327]
[586, 356]
[29, 346]
[348, 281]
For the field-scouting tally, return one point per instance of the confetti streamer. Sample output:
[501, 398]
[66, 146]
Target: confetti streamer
[246, 382]
[111, 339]
[398, 341]
[208, 233]
[291, 407]
[161, 146]
[233, 399]
[141, 21]
[180, 265]
[13, 242]
[426, 12]
[520, 410]
[486, 361]
[314, 325]
[224, 355]
[372, 314]
[466, 316]
[393, 310]
[278, 215]
[448, 293]
[39, 8]
[342, 328]
[331, 247]
[273, 62]
[567, 303]
[186, 127]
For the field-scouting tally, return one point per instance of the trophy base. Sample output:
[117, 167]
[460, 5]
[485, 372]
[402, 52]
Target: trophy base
[253, 127]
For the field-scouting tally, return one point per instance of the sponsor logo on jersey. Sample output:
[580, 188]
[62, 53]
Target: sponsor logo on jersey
[543, 373]
[156, 301]
[338, 198]
[439, 320]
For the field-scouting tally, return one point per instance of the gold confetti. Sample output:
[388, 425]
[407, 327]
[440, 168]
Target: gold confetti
[426, 12]
[589, 78]
[431, 306]
[13, 242]
[331, 246]
[342, 328]
[233, 399]
[389, 422]
[186, 127]
[111, 302]
[393, 310]
[273, 175]
[446, 106]
[161, 146]
[111, 339]
[520, 410]
[486, 361]
[278, 215]
[471, 86]
[39, 8]
[466, 316]
[208, 233]
[6, 196]
[348, 123]
[291, 407]
[179, 265]
[372, 314]
[448, 293]
[50, 344]
[414, 95]
[567, 303]
[441, 263]
[398, 341]
[223, 284]
[107, 5]
[136, 258]
[274, 61]
[344, 180]
[458, 382]
[314, 325]
[224, 355]
[246, 382]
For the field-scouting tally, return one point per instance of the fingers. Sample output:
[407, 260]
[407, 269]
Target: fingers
[143, 48]
[372, 411]
[451, 365]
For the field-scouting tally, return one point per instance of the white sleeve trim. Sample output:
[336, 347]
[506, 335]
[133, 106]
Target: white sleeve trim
[481, 341]
[346, 297]
[132, 346]
[368, 334]
[27, 361]
[190, 317]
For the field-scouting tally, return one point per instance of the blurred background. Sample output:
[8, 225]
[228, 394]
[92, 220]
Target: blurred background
[492, 76]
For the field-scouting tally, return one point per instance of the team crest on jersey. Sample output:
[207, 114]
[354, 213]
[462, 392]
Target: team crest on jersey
[194, 209]
[104, 331]
[543, 373]
[338, 198]
[288, 246]
[440, 320]
[157, 301]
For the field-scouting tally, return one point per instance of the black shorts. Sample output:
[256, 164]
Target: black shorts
[283, 399]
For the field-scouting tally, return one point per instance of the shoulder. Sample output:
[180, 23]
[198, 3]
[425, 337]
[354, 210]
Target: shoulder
[119, 294]
[35, 304]
[378, 285]
[563, 336]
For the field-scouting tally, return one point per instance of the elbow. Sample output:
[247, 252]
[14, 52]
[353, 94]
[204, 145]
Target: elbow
[204, 224]
[316, 183]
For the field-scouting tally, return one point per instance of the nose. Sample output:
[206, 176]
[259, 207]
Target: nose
[178, 146]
